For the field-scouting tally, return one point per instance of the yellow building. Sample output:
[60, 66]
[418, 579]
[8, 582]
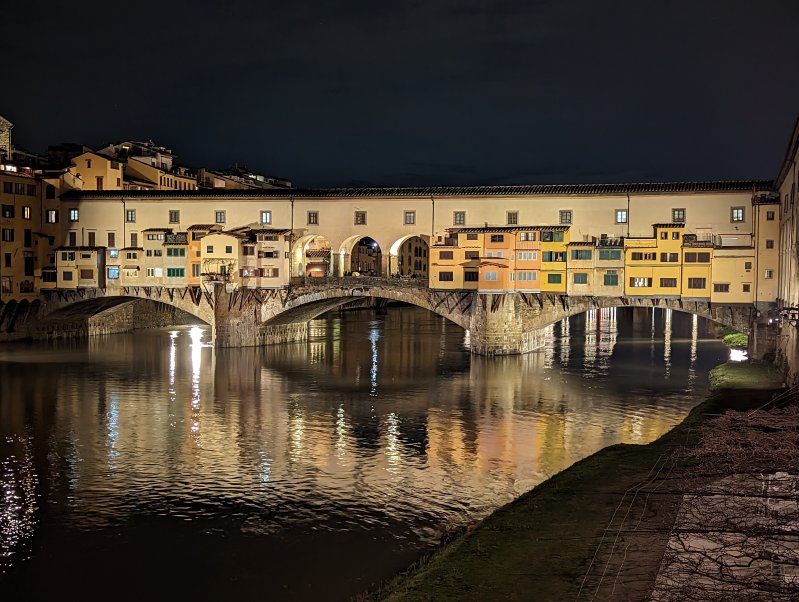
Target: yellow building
[581, 278]
[652, 266]
[98, 171]
[220, 256]
[609, 267]
[554, 245]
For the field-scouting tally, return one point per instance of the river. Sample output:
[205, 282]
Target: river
[152, 465]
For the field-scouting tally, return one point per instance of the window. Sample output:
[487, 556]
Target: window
[746, 287]
[638, 256]
[174, 216]
[68, 256]
[52, 216]
[668, 283]
[747, 265]
[512, 218]
[48, 276]
[228, 249]
[19, 188]
[527, 276]
[86, 274]
[670, 257]
[736, 214]
[313, 218]
[88, 163]
[175, 272]
[209, 249]
[581, 254]
[621, 216]
[664, 235]
[445, 254]
[769, 244]
[566, 217]
[721, 288]
[176, 252]
[459, 218]
[49, 192]
[554, 278]
[409, 218]
[581, 278]
[471, 254]
[609, 254]
[8, 188]
[497, 238]
[490, 276]
[131, 255]
[551, 236]
[7, 234]
[26, 212]
[471, 236]
[527, 236]
[768, 274]
[73, 238]
[697, 258]
[74, 214]
[445, 276]
[678, 215]
[195, 270]
[7, 259]
[770, 216]
[360, 218]
[553, 256]
[675, 235]
[611, 279]
[248, 250]
[696, 283]
[66, 276]
[92, 239]
[266, 217]
[219, 217]
[113, 253]
[7, 211]
[640, 282]
[527, 255]
[470, 276]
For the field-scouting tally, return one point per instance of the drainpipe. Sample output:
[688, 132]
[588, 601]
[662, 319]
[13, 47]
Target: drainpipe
[628, 215]
[291, 241]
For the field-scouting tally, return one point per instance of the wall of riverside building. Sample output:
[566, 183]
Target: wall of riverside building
[788, 290]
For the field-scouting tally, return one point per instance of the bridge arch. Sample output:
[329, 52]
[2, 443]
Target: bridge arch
[361, 253]
[403, 258]
[306, 305]
[311, 256]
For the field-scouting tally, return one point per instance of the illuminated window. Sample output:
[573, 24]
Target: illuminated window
[266, 216]
[26, 212]
[768, 274]
[130, 216]
[74, 214]
[770, 215]
[678, 215]
[459, 218]
[621, 216]
[410, 218]
[640, 282]
[736, 214]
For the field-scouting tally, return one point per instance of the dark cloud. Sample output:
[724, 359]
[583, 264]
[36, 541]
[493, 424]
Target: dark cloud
[391, 92]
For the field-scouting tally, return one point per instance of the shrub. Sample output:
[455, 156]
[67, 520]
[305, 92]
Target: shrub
[737, 340]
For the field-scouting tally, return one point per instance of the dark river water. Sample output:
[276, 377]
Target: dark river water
[150, 465]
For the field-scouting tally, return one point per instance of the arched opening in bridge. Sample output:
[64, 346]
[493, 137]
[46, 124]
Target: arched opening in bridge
[311, 256]
[361, 256]
[409, 256]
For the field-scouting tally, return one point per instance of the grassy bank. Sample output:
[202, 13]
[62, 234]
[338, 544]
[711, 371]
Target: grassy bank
[549, 544]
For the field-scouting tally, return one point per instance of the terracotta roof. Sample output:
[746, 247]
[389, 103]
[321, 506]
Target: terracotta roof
[669, 225]
[439, 191]
[203, 227]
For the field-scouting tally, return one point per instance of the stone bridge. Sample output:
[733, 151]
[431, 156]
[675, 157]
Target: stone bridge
[499, 323]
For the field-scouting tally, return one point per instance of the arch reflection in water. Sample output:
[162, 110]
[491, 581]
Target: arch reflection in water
[287, 439]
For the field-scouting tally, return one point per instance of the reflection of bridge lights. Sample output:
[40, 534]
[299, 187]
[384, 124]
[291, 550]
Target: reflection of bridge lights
[112, 428]
[374, 336]
[392, 439]
[667, 343]
[341, 432]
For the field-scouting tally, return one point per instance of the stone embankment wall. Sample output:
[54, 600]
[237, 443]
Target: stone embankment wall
[787, 356]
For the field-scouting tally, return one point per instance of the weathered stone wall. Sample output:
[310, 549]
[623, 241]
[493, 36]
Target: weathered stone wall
[787, 356]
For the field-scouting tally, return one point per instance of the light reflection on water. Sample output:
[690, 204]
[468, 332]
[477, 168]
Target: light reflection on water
[359, 447]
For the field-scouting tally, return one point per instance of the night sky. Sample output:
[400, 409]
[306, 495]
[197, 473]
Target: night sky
[385, 92]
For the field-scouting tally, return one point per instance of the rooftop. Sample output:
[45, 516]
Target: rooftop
[440, 191]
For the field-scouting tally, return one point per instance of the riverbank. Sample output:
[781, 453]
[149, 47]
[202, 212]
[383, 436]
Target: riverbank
[600, 529]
